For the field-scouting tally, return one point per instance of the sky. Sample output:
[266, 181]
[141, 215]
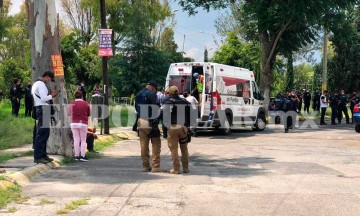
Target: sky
[199, 30]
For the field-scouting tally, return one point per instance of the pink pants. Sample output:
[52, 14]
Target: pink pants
[79, 134]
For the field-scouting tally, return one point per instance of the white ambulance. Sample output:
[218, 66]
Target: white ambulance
[230, 96]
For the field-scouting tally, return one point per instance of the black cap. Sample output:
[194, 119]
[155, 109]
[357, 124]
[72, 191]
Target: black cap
[49, 74]
[152, 83]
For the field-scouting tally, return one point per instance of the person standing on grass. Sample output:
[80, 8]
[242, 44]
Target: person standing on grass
[41, 101]
[79, 110]
[28, 100]
[83, 90]
[15, 95]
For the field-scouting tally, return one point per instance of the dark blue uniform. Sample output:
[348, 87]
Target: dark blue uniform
[143, 100]
[307, 100]
[334, 103]
[15, 96]
[342, 109]
[316, 101]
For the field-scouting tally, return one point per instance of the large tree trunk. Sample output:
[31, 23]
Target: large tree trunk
[290, 72]
[266, 68]
[45, 41]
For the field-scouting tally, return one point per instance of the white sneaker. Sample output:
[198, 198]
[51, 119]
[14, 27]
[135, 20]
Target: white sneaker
[84, 159]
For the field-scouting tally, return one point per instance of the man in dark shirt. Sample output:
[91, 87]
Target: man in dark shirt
[147, 113]
[15, 96]
[307, 99]
[342, 107]
[176, 117]
[334, 103]
[316, 101]
[29, 101]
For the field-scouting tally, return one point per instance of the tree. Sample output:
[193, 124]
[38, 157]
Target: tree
[234, 52]
[45, 41]
[80, 19]
[344, 66]
[14, 48]
[276, 25]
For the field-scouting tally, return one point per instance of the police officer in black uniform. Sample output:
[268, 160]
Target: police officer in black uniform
[307, 100]
[176, 114]
[334, 103]
[316, 100]
[300, 101]
[29, 101]
[15, 96]
[290, 109]
[354, 99]
[342, 107]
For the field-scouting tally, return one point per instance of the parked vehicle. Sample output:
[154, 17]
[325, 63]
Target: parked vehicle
[230, 96]
[357, 117]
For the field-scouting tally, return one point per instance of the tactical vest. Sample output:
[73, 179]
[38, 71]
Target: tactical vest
[199, 85]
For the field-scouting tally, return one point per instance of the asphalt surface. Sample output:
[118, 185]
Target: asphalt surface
[304, 172]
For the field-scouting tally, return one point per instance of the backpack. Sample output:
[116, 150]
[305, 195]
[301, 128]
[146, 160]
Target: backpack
[288, 105]
[279, 103]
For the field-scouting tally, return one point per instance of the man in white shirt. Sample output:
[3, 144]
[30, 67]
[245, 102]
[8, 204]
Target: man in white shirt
[41, 102]
[192, 100]
[323, 106]
[160, 95]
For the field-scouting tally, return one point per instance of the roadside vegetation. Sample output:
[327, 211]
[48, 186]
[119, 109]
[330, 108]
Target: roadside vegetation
[9, 156]
[73, 205]
[14, 131]
[11, 194]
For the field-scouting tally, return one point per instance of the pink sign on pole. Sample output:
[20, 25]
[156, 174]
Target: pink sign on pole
[105, 46]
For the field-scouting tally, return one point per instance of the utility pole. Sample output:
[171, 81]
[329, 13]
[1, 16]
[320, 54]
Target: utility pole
[324, 74]
[105, 72]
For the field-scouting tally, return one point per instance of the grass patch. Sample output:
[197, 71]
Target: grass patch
[67, 160]
[73, 205]
[9, 195]
[92, 155]
[101, 146]
[9, 156]
[12, 210]
[6, 157]
[46, 201]
[14, 131]
[121, 116]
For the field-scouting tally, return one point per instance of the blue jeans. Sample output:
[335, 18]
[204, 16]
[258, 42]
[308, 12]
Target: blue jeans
[42, 131]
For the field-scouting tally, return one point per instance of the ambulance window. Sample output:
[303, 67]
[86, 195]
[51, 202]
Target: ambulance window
[208, 82]
[182, 82]
[246, 92]
[255, 90]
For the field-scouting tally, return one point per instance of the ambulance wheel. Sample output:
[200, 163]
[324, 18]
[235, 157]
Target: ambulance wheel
[227, 125]
[260, 123]
[357, 128]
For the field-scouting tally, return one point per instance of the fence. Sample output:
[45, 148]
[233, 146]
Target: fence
[121, 100]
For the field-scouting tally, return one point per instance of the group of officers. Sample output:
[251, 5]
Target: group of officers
[293, 102]
[175, 114]
[337, 102]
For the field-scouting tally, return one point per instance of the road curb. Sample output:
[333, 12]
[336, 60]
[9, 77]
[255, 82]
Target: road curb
[24, 177]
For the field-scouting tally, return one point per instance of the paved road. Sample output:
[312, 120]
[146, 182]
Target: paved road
[310, 172]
